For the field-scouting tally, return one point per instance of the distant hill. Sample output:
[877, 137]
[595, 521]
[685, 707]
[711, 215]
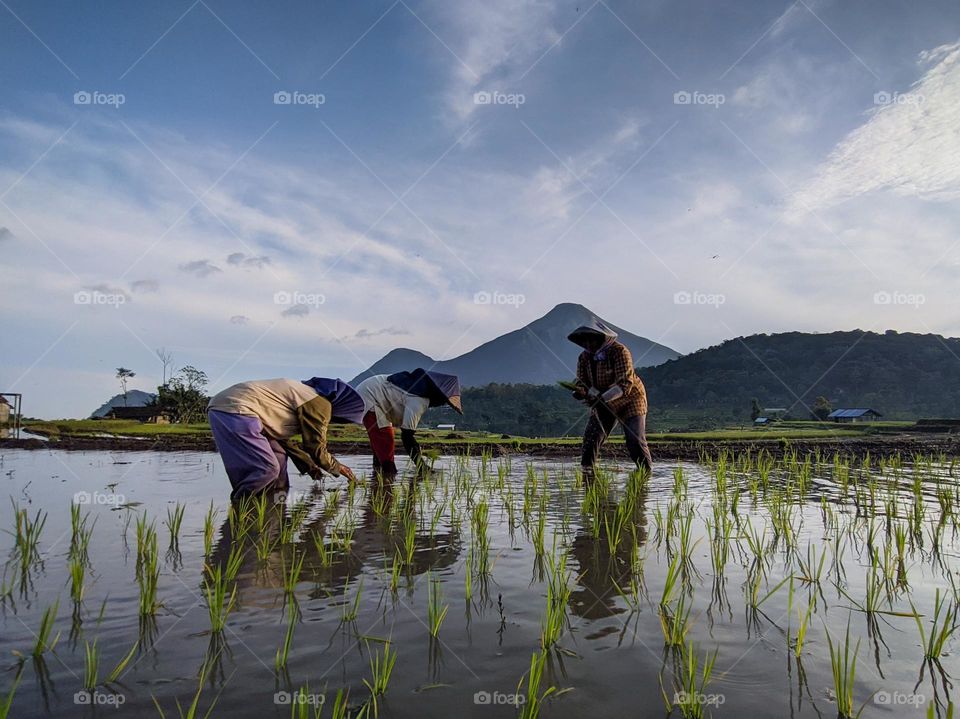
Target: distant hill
[538, 353]
[902, 376]
[135, 398]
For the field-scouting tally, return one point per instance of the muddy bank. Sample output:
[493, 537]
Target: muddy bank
[879, 446]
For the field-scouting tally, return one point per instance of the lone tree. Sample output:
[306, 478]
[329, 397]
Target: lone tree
[821, 408]
[184, 397]
[755, 409]
[166, 358]
[124, 375]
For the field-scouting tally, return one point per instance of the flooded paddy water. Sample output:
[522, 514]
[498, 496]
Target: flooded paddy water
[802, 587]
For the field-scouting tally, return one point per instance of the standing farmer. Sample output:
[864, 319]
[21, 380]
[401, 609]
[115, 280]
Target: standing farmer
[607, 381]
[399, 400]
[253, 423]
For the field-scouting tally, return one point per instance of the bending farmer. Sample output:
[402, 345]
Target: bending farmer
[400, 399]
[608, 383]
[253, 423]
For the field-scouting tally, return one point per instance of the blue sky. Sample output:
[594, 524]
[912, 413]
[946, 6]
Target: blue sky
[692, 171]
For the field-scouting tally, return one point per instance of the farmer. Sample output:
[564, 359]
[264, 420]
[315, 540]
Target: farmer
[253, 423]
[608, 383]
[399, 400]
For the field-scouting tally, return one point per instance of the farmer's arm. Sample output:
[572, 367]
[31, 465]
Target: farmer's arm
[314, 419]
[413, 410]
[583, 376]
[621, 362]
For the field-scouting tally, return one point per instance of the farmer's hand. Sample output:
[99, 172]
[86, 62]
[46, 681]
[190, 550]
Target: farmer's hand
[345, 471]
[579, 394]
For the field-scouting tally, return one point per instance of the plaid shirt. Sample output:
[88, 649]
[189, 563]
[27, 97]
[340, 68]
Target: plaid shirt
[615, 369]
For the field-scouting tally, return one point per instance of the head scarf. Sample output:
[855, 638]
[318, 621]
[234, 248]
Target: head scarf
[439, 388]
[594, 329]
[347, 403]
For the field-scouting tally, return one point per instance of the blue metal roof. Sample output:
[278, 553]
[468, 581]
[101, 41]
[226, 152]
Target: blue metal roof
[852, 413]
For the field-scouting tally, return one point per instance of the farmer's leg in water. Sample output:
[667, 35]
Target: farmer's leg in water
[599, 426]
[635, 433]
[383, 444]
[252, 463]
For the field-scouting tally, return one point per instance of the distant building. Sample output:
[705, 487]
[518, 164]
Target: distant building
[4, 410]
[147, 415]
[450, 427]
[774, 412]
[762, 420]
[854, 415]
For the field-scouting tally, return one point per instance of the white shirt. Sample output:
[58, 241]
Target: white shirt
[392, 405]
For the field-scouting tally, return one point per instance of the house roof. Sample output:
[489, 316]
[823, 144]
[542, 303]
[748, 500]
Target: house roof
[3, 400]
[852, 413]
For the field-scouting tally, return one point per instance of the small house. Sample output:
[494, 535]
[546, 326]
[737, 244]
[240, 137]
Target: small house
[450, 427]
[761, 421]
[854, 415]
[4, 411]
[147, 415]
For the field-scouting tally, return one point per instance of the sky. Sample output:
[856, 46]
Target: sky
[295, 188]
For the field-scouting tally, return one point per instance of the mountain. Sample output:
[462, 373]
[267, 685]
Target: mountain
[135, 398]
[538, 353]
[900, 375]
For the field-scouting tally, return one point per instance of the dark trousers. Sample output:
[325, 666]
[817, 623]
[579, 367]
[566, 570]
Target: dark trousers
[601, 424]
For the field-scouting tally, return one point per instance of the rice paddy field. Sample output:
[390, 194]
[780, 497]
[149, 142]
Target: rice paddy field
[804, 586]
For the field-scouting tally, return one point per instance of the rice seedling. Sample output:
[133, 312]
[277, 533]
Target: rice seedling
[91, 666]
[436, 609]
[219, 602]
[80, 534]
[43, 641]
[531, 708]
[352, 610]
[173, 522]
[8, 700]
[843, 664]
[690, 683]
[381, 667]
[26, 535]
[292, 571]
[280, 662]
[558, 594]
[192, 710]
[78, 570]
[148, 574]
[940, 629]
[209, 528]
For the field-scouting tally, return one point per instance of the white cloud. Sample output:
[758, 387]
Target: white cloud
[910, 146]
